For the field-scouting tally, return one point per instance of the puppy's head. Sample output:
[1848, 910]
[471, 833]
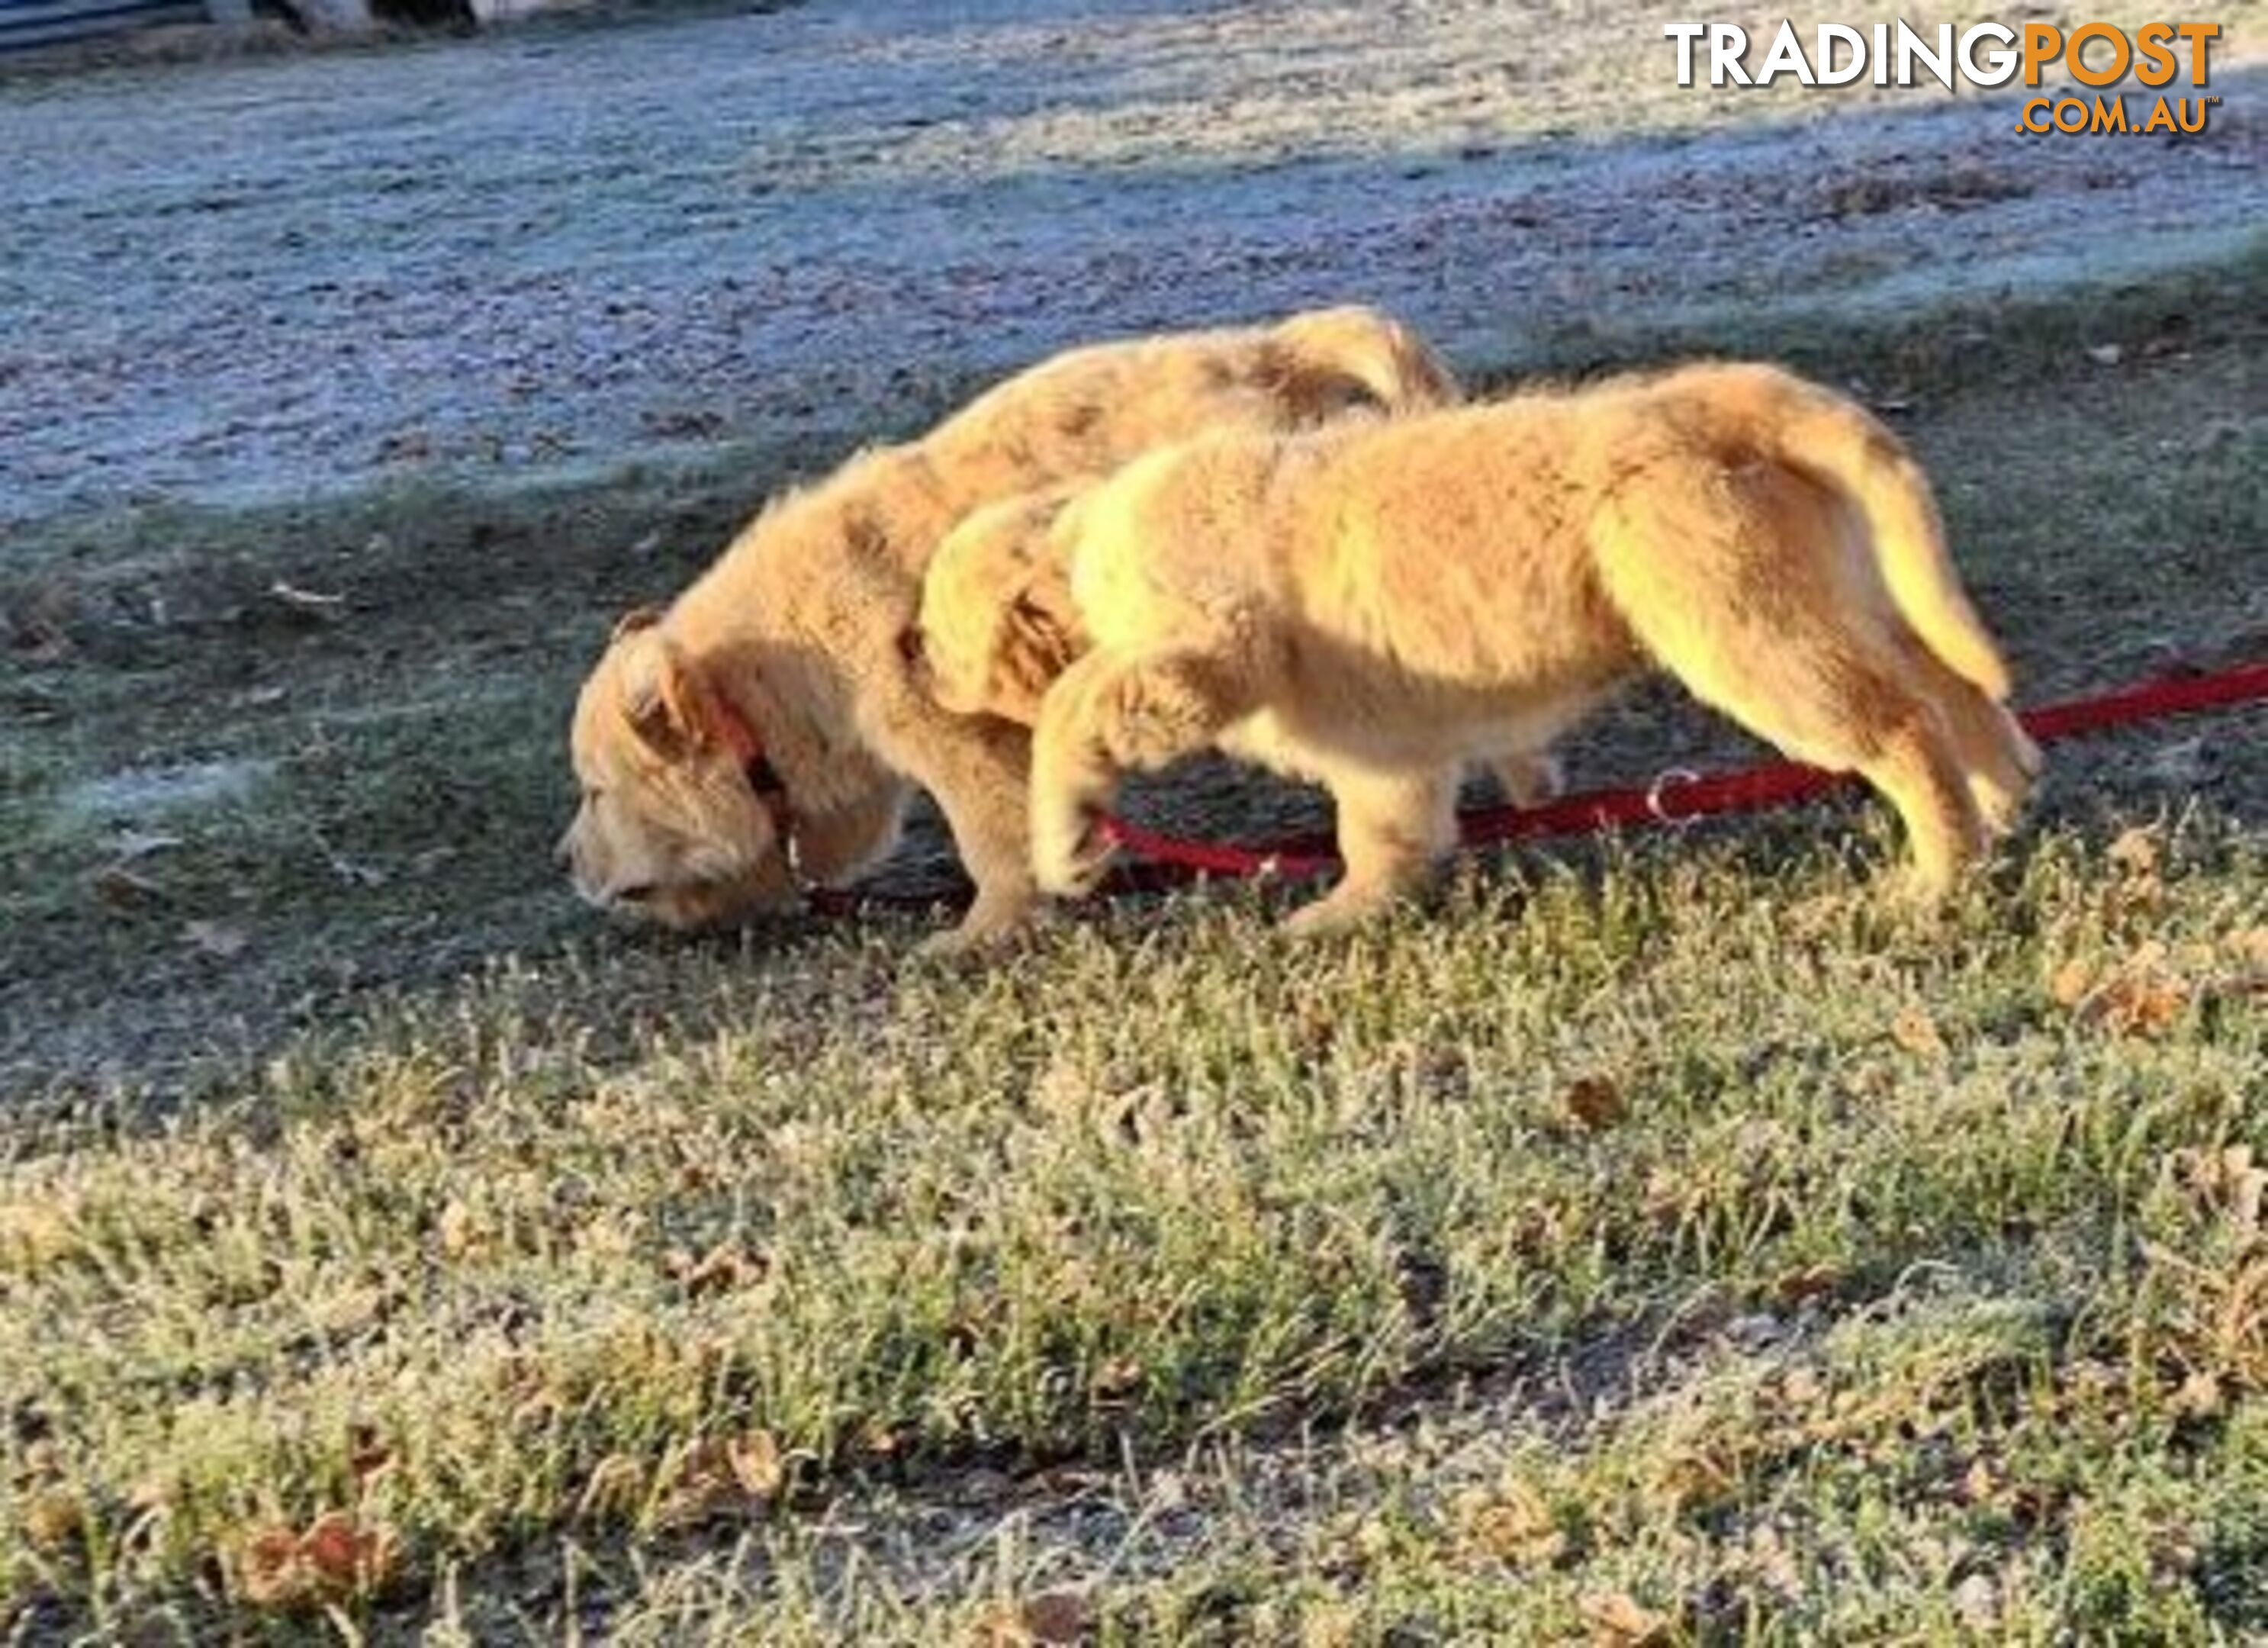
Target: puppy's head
[997, 624]
[670, 827]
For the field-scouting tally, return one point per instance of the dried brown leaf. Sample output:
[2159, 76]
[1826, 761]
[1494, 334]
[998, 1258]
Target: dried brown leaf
[1596, 1103]
[1052, 1618]
[53, 1518]
[2070, 983]
[124, 889]
[1116, 1381]
[757, 1464]
[457, 1230]
[1915, 1031]
[2142, 1004]
[267, 1568]
[2138, 850]
[1514, 1524]
[2229, 1179]
[725, 1267]
[338, 1556]
[615, 1485]
[1810, 1283]
[1618, 1620]
[2200, 1397]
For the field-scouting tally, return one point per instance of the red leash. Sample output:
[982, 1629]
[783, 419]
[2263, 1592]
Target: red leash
[1675, 798]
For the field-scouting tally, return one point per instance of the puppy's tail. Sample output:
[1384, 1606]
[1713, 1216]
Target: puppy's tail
[1352, 355]
[1826, 435]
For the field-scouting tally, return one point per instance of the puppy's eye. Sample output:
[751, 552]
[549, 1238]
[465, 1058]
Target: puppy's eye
[913, 646]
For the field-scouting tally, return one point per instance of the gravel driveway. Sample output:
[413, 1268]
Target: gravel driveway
[572, 245]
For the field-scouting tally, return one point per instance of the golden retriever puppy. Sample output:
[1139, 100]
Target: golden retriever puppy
[766, 729]
[998, 626]
[1372, 605]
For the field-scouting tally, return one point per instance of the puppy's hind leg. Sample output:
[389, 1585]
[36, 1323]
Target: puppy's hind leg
[1111, 713]
[1998, 760]
[1732, 587]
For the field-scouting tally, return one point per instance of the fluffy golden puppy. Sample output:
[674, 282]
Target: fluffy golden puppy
[998, 626]
[1372, 605]
[766, 729]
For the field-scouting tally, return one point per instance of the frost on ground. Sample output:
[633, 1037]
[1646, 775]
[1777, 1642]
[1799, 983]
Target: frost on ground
[572, 246]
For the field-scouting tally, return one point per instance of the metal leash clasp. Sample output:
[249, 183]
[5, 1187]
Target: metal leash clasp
[1655, 791]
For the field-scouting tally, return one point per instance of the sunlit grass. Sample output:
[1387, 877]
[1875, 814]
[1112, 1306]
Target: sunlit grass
[457, 1276]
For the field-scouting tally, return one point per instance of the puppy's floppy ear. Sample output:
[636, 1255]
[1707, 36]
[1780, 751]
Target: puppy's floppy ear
[1042, 637]
[663, 696]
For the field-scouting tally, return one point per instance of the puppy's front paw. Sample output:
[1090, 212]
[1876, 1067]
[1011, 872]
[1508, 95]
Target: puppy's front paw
[1071, 852]
[991, 924]
[1338, 912]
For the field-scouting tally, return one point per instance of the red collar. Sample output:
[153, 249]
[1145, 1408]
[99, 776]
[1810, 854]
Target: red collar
[747, 749]
[770, 790]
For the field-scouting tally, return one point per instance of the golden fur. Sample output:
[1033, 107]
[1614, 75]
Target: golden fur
[1373, 605]
[998, 626]
[798, 633]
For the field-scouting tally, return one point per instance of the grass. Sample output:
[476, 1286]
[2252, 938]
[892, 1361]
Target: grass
[1658, 1241]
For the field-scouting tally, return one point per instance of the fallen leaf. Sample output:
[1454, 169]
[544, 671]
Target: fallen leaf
[1811, 1282]
[216, 940]
[2070, 983]
[135, 845]
[703, 1484]
[879, 1439]
[2136, 850]
[310, 603]
[336, 1548]
[1618, 1620]
[337, 1556]
[2145, 1004]
[1053, 1617]
[1915, 1031]
[54, 1516]
[2229, 1180]
[2200, 1397]
[267, 1568]
[121, 888]
[1116, 1381]
[456, 1230]
[1514, 1524]
[724, 1268]
[757, 1464]
[1979, 1486]
[1595, 1103]
[616, 1485]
